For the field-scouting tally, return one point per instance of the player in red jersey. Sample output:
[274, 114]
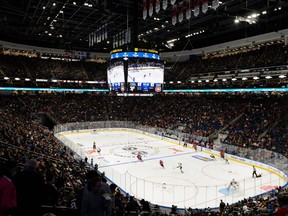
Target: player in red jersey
[161, 163]
[139, 157]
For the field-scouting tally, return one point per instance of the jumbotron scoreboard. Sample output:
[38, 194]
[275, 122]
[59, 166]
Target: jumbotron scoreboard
[140, 70]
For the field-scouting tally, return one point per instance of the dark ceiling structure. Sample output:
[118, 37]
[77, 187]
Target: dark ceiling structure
[67, 24]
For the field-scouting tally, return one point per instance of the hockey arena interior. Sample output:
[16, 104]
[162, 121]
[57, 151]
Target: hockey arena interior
[143, 107]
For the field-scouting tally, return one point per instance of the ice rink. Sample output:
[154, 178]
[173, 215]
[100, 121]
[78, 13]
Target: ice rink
[203, 183]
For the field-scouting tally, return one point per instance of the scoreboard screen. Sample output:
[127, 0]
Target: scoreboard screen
[134, 55]
[115, 75]
[145, 75]
[136, 71]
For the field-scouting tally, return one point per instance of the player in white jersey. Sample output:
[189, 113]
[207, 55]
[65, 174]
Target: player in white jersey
[226, 161]
[180, 167]
[233, 184]
[213, 157]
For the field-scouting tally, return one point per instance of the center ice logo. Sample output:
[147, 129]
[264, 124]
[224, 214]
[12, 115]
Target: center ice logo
[131, 150]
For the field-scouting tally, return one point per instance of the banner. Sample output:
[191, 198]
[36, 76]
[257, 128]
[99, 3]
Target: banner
[129, 35]
[157, 6]
[123, 37]
[151, 7]
[98, 35]
[114, 43]
[205, 6]
[90, 40]
[188, 9]
[215, 4]
[197, 8]
[172, 2]
[94, 37]
[102, 33]
[164, 4]
[144, 9]
[106, 32]
[174, 14]
[180, 13]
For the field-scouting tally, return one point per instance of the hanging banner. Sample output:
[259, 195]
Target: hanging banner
[188, 9]
[205, 6]
[164, 4]
[174, 14]
[123, 37]
[151, 7]
[102, 33]
[180, 12]
[215, 4]
[145, 9]
[129, 35]
[157, 6]
[172, 2]
[90, 40]
[196, 11]
[98, 36]
[94, 37]
[197, 7]
[106, 32]
[114, 42]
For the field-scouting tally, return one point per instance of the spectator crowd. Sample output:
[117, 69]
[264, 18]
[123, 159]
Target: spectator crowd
[37, 170]
[250, 122]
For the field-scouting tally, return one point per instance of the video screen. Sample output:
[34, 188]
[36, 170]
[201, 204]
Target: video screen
[115, 75]
[145, 75]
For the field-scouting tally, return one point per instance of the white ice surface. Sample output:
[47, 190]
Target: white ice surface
[202, 184]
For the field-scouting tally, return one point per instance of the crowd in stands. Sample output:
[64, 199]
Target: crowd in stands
[271, 54]
[27, 146]
[268, 55]
[250, 121]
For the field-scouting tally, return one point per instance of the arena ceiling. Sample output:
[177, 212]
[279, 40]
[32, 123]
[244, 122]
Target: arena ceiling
[67, 23]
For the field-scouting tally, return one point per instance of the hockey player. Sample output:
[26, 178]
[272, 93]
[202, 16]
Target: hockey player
[98, 150]
[185, 143]
[226, 161]
[94, 145]
[195, 147]
[254, 174]
[258, 176]
[233, 184]
[161, 163]
[139, 157]
[212, 156]
[180, 167]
